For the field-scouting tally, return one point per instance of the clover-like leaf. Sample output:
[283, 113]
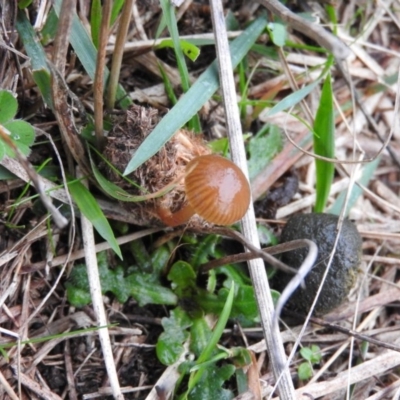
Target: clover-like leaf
[8, 106]
[22, 134]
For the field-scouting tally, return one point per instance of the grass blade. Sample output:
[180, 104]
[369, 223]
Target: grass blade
[212, 343]
[35, 51]
[324, 145]
[170, 19]
[194, 99]
[366, 175]
[89, 207]
[95, 18]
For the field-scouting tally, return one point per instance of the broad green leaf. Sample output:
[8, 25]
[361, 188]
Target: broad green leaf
[88, 206]
[49, 29]
[145, 291]
[194, 99]
[143, 287]
[170, 343]
[182, 275]
[305, 371]
[42, 79]
[212, 382]
[324, 145]
[78, 297]
[140, 255]
[22, 134]
[8, 106]
[189, 50]
[278, 33]
[205, 249]
[200, 334]
[311, 354]
[159, 259]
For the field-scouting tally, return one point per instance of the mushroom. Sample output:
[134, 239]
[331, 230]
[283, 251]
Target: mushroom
[216, 190]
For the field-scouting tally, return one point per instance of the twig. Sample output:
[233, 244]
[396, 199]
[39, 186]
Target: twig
[98, 306]
[118, 53]
[256, 267]
[349, 332]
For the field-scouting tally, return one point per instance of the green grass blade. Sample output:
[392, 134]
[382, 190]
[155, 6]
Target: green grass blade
[194, 99]
[324, 145]
[34, 49]
[95, 20]
[116, 9]
[169, 13]
[32, 45]
[216, 336]
[366, 175]
[168, 85]
[293, 98]
[170, 19]
[88, 206]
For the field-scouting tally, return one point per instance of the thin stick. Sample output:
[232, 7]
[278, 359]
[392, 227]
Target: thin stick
[256, 267]
[98, 306]
[118, 53]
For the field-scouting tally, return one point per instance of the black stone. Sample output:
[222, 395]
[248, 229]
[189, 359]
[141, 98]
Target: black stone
[322, 230]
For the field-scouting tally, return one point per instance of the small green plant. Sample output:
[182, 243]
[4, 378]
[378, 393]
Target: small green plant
[225, 292]
[144, 287]
[14, 132]
[312, 355]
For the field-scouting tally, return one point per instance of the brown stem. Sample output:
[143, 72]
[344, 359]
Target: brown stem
[178, 218]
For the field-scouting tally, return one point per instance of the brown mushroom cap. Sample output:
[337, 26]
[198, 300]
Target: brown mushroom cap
[217, 189]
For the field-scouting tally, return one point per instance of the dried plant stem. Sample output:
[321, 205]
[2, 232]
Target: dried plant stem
[61, 40]
[98, 306]
[256, 267]
[36, 179]
[7, 387]
[98, 83]
[118, 52]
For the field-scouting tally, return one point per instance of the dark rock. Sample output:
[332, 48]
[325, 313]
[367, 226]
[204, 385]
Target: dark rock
[321, 229]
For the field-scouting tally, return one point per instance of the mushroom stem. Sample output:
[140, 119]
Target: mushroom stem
[178, 218]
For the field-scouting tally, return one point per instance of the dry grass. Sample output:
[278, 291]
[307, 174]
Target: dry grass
[32, 293]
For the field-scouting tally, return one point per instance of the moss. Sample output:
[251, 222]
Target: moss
[322, 230]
